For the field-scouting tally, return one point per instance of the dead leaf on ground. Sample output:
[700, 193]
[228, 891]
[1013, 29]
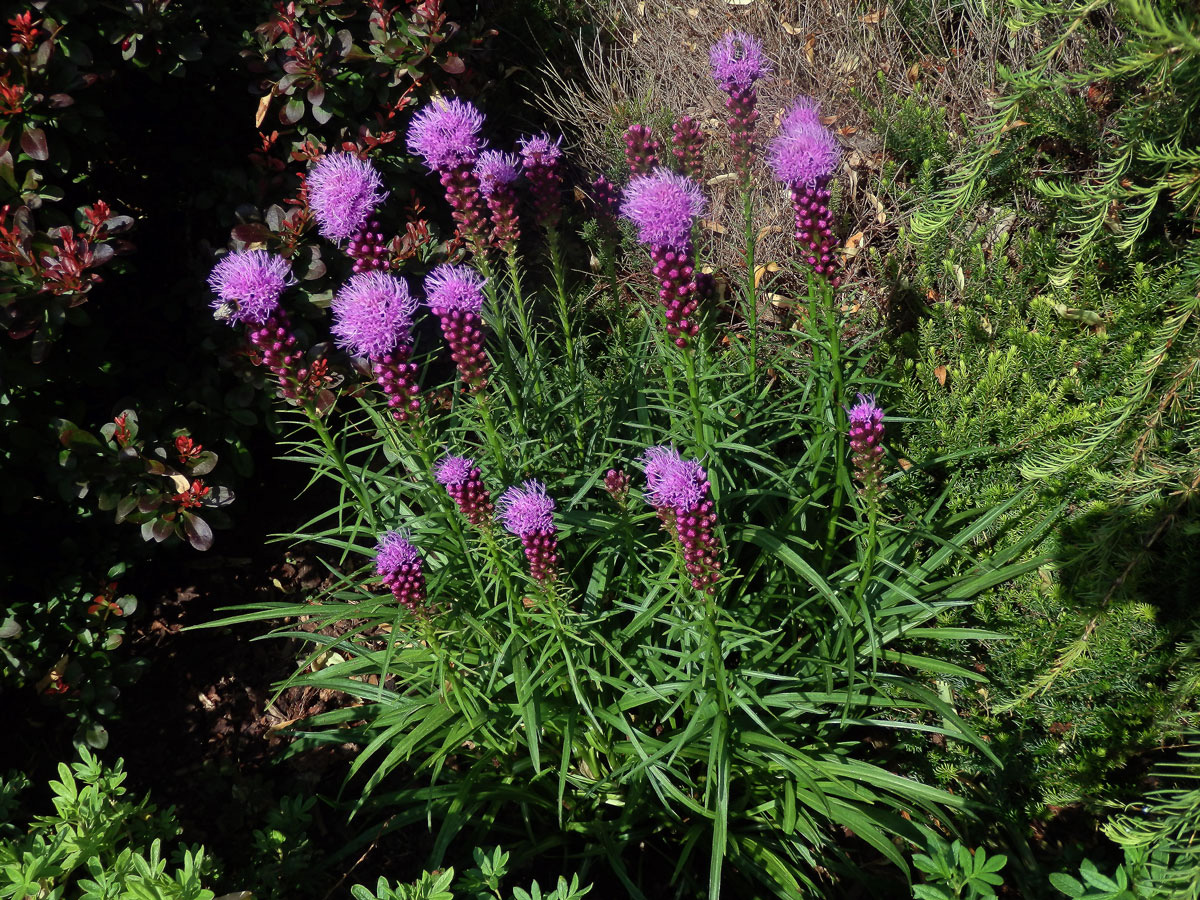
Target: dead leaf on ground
[810, 44]
[264, 103]
[940, 374]
[873, 18]
[854, 244]
[693, 13]
[760, 271]
[722, 179]
[715, 227]
[880, 214]
[767, 229]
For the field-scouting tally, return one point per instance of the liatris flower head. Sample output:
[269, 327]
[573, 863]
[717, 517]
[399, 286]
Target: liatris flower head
[663, 207]
[804, 152]
[464, 483]
[738, 61]
[542, 159]
[687, 141]
[445, 134]
[866, 443]
[251, 281]
[495, 168]
[671, 480]
[398, 563]
[455, 294]
[528, 513]
[343, 191]
[678, 489]
[372, 314]
[605, 196]
[455, 287]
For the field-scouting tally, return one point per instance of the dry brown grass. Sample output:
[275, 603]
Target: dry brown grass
[653, 66]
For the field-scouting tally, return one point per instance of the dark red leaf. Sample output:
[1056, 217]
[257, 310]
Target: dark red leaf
[33, 142]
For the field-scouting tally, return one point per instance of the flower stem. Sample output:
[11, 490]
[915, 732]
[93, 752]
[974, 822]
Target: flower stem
[751, 280]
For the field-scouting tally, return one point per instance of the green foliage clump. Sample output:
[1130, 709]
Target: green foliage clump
[481, 882]
[97, 845]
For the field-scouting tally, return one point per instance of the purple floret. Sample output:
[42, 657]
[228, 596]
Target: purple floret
[539, 150]
[253, 281]
[343, 191]
[671, 480]
[394, 551]
[496, 168]
[803, 153]
[450, 287]
[372, 314]
[445, 134]
[804, 111]
[454, 470]
[663, 206]
[866, 412]
[526, 510]
[738, 61]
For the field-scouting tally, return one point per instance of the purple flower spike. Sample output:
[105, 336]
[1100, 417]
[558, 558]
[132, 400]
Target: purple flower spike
[687, 142]
[251, 280]
[641, 150]
[663, 207]
[398, 563]
[738, 61]
[343, 191]
[445, 134]
[678, 490]
[804, 156]
[372, 314]
[456, 297]
[616, 483]
[528, 513]
[464, 483]
[542, 159]
[866, 445]
[497, 173]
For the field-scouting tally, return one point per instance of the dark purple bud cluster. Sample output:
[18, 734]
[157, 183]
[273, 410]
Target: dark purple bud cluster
[528, 512]
[694, 530]
[741, 105]
[466, 202]
[280, 353]
[641, 150]
[463, 331]
[687, 142]
[398, 378]
[368, 248]
[541, 160]
[616, 482]
[814, 230]
[398, 564]
[606, 197]
[675, 270]
[678, 489]
[866, 445]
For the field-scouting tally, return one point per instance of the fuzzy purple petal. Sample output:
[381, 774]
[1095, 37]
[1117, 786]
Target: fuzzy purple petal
[804, 152]
[454, 287]
[804, 111]
[540, 150]
[496, 168]
[393, 551]
[445, 134]
[865, 411]
[372, 314]
[527, 509]
[738, 61]
[452, 470]
[252, 280]
[671, 480]
[663, 206]
[343, 191]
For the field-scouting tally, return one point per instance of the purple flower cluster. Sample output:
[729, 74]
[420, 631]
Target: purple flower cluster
[343, 191]
[804, 156]
[687, 141]
[663, 207]
[464, 483]
[398, 563]
[528, 513]
[274, 340]
[866, 444]
[372, 317]
[541, 158]
[606, 197]
[678, 490]
[372, 314]
[738, 62]
[641, 150]
[446, 135]
[252, 282]
[368, 248]
[455, 295]
[497, 173]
